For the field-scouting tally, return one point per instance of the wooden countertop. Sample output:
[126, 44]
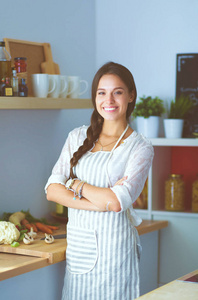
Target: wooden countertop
[16, 264]
[175, 290]
[149, 225]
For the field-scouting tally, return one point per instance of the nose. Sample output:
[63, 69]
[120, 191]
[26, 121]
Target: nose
[110, 98]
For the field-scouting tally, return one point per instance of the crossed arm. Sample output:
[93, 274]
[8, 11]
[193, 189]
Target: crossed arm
[94, 198]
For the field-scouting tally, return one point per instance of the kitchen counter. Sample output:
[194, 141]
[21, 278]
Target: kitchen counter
[179, 289]
[15, 264]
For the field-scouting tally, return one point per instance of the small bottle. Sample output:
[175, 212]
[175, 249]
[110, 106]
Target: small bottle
[2, 83]
[6, 89]
[23, 89]
[174, 193]
[20, 64]
[61, 210]
[15, 83]
[195, 195]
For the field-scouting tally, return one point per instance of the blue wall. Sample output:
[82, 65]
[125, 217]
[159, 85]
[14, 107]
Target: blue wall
[31, 140]
[145, 36]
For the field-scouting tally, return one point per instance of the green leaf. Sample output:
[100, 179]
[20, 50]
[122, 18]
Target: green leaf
[179, 108]
[15, 244]
[148, 106]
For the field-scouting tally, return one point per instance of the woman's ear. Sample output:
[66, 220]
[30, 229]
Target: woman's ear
[131, 96]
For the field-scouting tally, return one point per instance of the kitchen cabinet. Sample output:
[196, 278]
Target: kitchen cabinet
[43, 103]
[178, 242]
[159, 172]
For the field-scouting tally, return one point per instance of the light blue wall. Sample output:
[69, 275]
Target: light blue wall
[145, 36]
[30, 141]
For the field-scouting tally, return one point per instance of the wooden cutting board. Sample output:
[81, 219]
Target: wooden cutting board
[54, 252]
[49, 66]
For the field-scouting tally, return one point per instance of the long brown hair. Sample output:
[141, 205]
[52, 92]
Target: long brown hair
[95, 127]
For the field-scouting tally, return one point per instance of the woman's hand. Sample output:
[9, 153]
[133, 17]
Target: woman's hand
[120, 181]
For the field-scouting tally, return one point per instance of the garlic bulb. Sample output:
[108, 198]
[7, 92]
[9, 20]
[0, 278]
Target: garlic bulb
[32, 233]
[49, 238]
[28, 239]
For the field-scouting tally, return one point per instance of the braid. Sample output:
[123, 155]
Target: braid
[93, 133]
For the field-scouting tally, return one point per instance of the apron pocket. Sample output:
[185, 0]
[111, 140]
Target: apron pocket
[82, 250]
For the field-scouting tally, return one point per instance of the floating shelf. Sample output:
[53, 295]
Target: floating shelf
[190, 142]
[43, 103]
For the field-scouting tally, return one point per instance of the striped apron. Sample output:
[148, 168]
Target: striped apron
[102, 257]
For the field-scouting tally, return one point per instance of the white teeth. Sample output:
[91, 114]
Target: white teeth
[109, 108]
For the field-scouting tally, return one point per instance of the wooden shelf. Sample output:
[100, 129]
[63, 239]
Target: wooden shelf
[43, 103]
[188, 142]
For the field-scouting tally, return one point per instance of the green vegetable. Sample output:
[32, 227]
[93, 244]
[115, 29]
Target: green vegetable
[17, 217]
[6, 216]
[22, 234]
[15, 244]
[21, 237]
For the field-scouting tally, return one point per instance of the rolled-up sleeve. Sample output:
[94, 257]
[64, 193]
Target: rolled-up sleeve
[137, 169]
[61, 170]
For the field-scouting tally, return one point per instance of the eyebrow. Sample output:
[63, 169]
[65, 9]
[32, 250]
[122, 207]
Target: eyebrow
[117, 88]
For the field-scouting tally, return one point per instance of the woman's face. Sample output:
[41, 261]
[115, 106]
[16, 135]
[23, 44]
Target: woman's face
[112, 98]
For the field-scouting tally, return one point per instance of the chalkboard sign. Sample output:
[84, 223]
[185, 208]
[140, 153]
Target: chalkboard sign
[187, 85]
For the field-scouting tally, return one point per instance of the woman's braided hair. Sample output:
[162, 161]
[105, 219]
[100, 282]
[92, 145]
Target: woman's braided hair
[97, 120]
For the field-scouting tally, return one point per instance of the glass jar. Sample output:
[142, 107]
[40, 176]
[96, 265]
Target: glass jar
[195, 195]
[61, 210]
[5, 65]
[174, 193]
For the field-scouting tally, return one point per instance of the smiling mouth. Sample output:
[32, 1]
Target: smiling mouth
[109, 108]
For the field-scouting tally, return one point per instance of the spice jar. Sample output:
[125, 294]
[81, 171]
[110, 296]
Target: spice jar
[174, 193]
[20, 64]
[195, 195]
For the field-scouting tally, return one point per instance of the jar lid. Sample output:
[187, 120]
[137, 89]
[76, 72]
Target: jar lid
[2, 44]
[176, 175]
[20, 58]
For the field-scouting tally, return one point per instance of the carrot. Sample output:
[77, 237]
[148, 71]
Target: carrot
[34, 227]
[42, 227]
[24, 222]
[28, 226]
[52, 227]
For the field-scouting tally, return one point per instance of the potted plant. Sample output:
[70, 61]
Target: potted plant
[176, 112]
[147, 113]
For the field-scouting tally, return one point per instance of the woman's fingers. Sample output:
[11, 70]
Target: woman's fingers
[120, 181]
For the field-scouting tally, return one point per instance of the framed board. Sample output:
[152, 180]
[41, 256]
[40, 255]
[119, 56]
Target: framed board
[37, 54]
[187, 85]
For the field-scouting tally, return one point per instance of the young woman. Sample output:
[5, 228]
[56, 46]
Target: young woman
[100, 173]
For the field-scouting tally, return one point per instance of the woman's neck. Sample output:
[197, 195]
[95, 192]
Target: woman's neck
[113, 129]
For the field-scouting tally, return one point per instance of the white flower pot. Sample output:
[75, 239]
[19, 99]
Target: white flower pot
[149, 127]
[173, 128]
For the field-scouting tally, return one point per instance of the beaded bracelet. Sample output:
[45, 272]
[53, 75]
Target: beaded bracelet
[107, 206]
[80, 192]
[70, 183]
[75, 192]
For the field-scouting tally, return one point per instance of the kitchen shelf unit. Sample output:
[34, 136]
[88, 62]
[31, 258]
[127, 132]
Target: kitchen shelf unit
[158, 174]
[43, 103]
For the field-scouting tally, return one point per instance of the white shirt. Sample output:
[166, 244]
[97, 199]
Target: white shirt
[132, 158]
